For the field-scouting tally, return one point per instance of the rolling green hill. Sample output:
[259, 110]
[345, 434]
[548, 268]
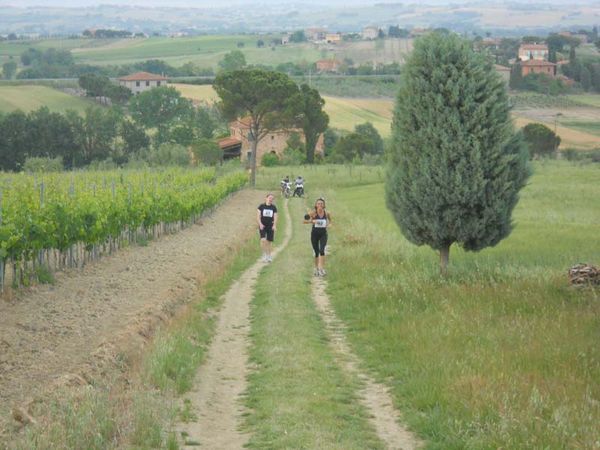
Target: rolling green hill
[29, 98]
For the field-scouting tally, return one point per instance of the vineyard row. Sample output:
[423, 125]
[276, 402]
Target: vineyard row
[50, 224]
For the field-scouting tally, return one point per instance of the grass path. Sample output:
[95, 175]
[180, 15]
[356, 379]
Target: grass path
[374, 396]
[301, 394]
[279, 372]
[221, 380]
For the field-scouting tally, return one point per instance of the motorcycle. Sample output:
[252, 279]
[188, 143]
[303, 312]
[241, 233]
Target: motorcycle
[286, 189]
[299, 189]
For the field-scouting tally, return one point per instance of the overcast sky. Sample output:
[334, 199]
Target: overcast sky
[221, 3]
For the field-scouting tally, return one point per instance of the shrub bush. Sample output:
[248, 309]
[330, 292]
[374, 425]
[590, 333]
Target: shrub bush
[39, 164]
[164, 155]
[270, 160]
[207, 152]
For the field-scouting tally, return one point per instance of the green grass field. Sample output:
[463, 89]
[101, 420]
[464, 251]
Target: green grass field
[204, 51]
[587, 99]
[29, 98]
[15, 48]
[207, 51]
[501, 354]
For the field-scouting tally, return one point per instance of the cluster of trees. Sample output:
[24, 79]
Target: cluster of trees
[50, 63]
[536, 82]
[271, 101]
[586, 72]
[101, 86]
[76, 139]
[397, 32]
[162, 125]
[9, 69]
[110, 34]
[363, 145]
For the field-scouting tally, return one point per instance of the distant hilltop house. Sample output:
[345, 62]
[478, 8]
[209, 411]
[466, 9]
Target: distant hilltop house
[537, 52]
[315, 34]
[536, 66]
[370, 32]
[142, 81]
[239, 145]
[285, 39]
[333, 38]
[328, 65]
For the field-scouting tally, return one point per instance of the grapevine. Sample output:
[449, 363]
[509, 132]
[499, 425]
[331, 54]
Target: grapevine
[66, 220]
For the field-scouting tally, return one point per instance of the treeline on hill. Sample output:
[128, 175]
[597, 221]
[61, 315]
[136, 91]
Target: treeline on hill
[110, 34]
[54, 63]
[161, 128]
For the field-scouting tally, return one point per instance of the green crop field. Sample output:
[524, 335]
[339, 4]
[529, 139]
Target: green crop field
[207, 51]
[204, 51]
[29, 98]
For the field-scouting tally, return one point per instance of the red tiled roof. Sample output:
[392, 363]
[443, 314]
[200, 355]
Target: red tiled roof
[327, 64]
[534, 47]
[143, 76]
[228, 142]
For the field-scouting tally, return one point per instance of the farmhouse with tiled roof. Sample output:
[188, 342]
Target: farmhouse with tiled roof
[142, 81]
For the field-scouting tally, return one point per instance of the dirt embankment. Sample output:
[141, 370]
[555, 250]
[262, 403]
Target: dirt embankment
[91, 318]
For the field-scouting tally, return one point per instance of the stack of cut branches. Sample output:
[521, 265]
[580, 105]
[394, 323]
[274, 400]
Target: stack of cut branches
[582, 274]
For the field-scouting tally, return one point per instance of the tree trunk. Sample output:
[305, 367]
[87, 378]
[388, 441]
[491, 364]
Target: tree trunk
[253, 162]
[311, 143]
[444, 258]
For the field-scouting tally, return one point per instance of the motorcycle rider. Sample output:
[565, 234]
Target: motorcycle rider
[285, 186]
[299, 186]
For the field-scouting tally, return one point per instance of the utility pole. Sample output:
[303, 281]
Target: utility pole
[555, 135]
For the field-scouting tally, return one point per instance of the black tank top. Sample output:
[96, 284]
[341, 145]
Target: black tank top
[320, 224]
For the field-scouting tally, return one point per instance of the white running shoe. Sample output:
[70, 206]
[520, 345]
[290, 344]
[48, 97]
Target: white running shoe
[317, 273]
[264, 258]
[269, 258]
[322, 272]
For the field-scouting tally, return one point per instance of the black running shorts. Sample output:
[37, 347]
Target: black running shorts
[267, 233]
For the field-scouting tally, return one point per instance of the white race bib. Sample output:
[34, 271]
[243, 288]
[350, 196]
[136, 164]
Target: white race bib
[267, 213]
[321, 223]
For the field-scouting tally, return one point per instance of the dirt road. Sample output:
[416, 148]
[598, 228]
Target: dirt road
[92, 318]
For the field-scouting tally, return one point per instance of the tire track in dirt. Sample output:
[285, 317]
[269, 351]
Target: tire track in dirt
[374, 396]
[93, 321]
[221, 381]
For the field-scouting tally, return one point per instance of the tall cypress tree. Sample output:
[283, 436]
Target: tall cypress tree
[456, 164]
